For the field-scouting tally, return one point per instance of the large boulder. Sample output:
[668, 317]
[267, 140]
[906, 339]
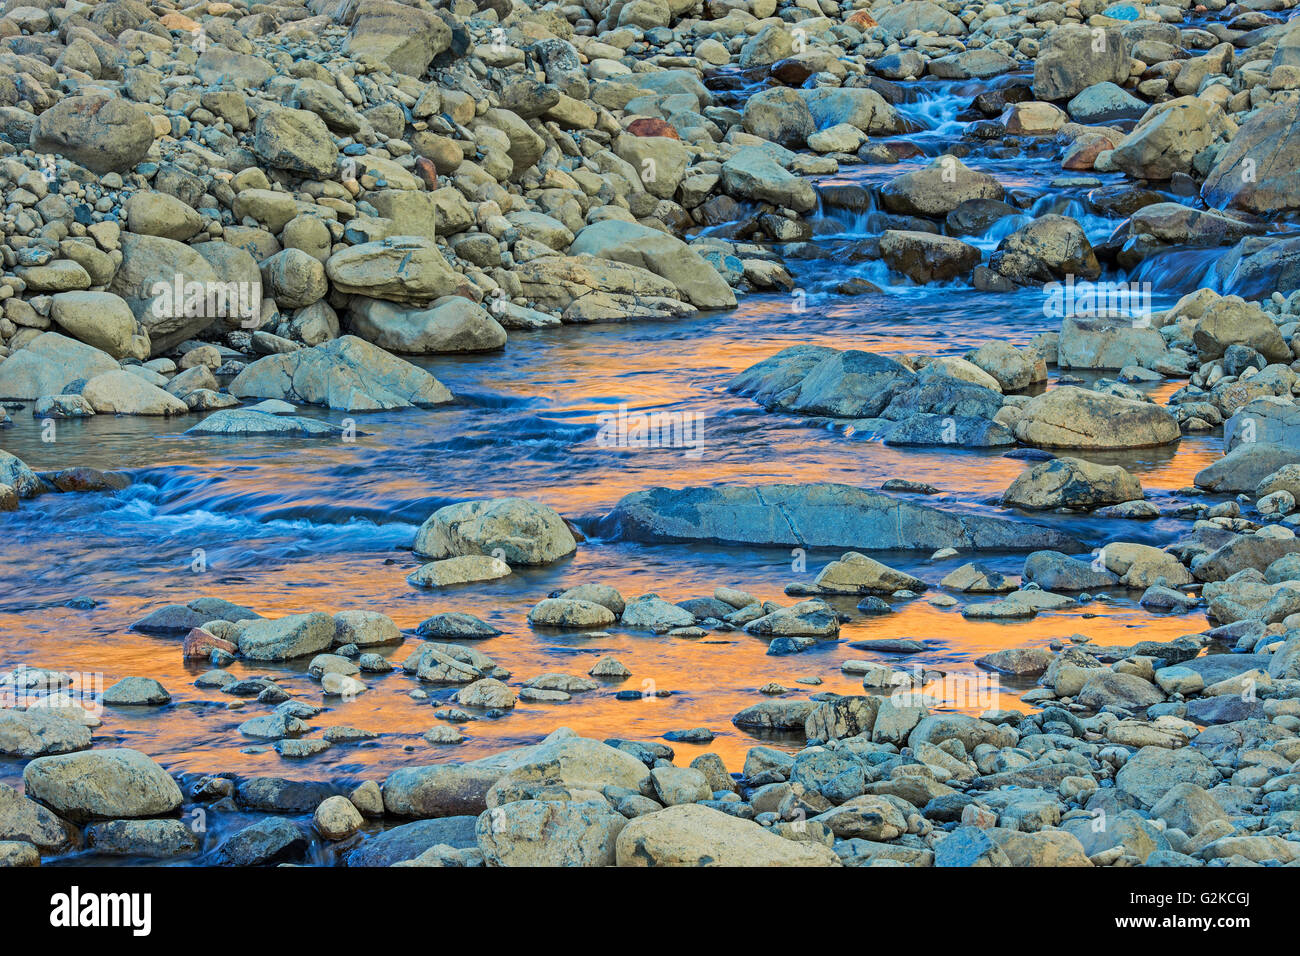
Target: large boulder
[408, 840]
[1104, 103]
[659, 162]
[924, 257]
[346, 373]
[175, 292]
[285, 638]
[99, 319]
[1269, 420]
[584, 289]
[753, 174]
[108, 784]
[857, 106]
[124, 393]
[1051, 247]
[1074, 57]
[404, 37]
[815, 515]
[663, 254]
[1071, 483]
[779, 115]
[104, 133]
[406, 269]
[1256, 170]
[939, 188]
[1177, 224]
[900, 20]
[296, 141]
[695, 835]
[567, 760]
[849, 384]
[1071, 417]
[37, 732]
[1108, 342]
[549, 833]
[1214, 322]
[519, 531]
[1153, 771]
[15, 473]
[51, 364]
[26, 820]
[439, 790]
[1243, 468]
[453, 324]
[1169, 138]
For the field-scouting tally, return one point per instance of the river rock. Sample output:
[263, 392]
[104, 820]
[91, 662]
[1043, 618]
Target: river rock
[856, 573]
[518, 531]
[49, 365]
[813, 515]
[1153, 771]
[1169, 137]
[549, 833]
[153, 839]
[137, 692]
[347, 373]
[100, 319]
[462, 569]
[298, 635]
[27, 821]
[452, 325]
[1072, 417]
[1074, 57]
[1109, 343]
[37, 731]
[407, 270]
[938, 188]
[15, 475]
[567, 612]
[271, 841]
[1255, 171]
[1071, 483]
[693, 835]
[122, 393]
[923, 257]
[636, 245]
[101, 785]
[753, 174]
[104, 133]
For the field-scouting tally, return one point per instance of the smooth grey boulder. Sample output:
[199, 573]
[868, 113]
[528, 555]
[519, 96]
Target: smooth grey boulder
[347, 373]
[409, 840]
[101, 785]
[821, 514]
[49, 365]
[244, 421]
[101, 132]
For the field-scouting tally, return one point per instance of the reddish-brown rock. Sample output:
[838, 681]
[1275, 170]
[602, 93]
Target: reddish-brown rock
[199, 643]
[648, 126]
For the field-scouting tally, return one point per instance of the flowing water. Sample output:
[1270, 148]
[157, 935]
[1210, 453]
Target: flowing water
[286, 526]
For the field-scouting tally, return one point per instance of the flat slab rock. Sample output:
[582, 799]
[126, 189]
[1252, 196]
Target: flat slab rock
[815, 515]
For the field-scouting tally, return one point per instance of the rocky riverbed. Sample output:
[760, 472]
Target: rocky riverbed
[733, 432]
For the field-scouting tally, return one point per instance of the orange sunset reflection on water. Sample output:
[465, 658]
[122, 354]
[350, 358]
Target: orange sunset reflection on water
[288, 526]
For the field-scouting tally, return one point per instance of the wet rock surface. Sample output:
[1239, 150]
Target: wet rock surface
[231, 229]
